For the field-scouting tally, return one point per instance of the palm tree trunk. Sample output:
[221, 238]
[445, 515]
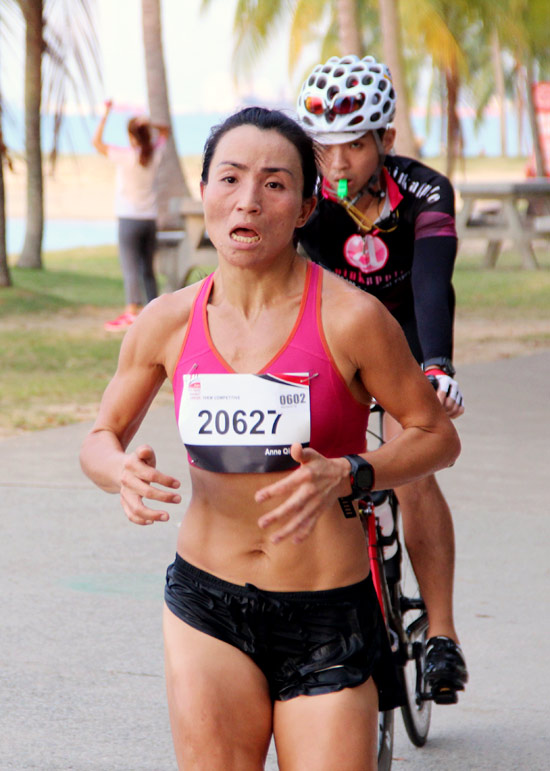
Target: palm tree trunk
[537, 145]
[5, 278]
[500, 90]
[31, 255]
[453, 124]
[520, 103]
[443, 112]
[390, 26]
[172, 183]
[348, 27]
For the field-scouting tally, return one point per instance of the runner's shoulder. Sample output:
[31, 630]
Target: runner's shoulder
[170, 309]
[160, 326]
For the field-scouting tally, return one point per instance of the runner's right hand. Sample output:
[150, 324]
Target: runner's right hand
[138, 480]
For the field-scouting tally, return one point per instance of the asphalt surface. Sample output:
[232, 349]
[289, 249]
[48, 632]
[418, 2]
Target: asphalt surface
[81, 661]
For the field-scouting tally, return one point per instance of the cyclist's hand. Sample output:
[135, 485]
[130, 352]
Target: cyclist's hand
[139, 475]
[306, 492]
[448, 393]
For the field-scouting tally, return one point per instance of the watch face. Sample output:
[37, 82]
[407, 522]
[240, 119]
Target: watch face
[364, 477]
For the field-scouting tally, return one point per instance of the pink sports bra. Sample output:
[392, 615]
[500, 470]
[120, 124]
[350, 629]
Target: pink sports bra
[338, 420]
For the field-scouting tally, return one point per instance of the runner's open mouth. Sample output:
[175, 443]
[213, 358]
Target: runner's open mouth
[244, 235]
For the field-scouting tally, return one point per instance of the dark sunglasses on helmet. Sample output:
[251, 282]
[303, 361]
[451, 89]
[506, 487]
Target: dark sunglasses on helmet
[342, 105]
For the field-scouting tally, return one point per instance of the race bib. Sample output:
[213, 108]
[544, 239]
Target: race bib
[235, 423]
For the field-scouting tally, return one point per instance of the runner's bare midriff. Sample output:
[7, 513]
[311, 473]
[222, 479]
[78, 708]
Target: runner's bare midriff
[220, 534]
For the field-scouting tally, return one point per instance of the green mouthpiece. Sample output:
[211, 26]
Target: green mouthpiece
[342, 188]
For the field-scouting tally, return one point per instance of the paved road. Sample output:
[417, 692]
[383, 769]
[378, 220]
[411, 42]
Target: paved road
[81, 665]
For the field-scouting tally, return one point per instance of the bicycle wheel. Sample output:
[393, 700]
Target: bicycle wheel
[385, 740]
[417, 710]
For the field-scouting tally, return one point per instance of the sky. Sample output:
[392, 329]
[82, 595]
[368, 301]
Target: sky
[197, 50]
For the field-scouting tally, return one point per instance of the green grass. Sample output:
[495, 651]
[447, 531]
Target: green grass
[51, 376]
[55, 360]
[56, 357]
[507, 290]
[70, 278]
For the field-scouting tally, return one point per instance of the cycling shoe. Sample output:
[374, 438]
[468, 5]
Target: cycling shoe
[445, 671]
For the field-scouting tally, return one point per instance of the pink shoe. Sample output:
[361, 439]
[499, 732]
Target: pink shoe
[123, 321]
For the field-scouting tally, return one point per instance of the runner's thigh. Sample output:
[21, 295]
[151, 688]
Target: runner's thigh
[333, 731]
[220, 710]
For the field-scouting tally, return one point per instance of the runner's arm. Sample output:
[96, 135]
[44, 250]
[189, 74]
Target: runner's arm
[103, 457]
[386, 369]
[97, 139]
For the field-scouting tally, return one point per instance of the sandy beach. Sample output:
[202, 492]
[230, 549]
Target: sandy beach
[79, 187]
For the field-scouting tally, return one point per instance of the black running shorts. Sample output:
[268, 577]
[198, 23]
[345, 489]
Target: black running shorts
[305, 643]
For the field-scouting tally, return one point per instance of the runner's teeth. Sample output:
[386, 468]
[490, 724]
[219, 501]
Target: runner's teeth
[245, 239]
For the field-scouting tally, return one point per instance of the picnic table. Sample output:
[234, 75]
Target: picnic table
[500, 211]
[181, 250]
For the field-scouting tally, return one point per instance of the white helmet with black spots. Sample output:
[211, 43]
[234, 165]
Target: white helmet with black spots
[344, 98]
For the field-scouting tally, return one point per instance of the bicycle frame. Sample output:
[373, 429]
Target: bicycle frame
[372, 539]
[368, 520]
[402, 608]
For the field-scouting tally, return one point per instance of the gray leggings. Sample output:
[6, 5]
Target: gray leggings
[136, 242]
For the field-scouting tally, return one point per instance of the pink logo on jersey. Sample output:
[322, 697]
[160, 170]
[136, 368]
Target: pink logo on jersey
[368, 254]
[194, 387]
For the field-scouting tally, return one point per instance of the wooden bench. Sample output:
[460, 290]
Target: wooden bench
[502, 211]
[181, 251]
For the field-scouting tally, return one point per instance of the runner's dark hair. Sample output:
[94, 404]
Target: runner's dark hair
[267, 120]
[142, 134]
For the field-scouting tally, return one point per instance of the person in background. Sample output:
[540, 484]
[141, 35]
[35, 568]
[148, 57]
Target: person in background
[136, 208]
[271, 624]
[385, 223]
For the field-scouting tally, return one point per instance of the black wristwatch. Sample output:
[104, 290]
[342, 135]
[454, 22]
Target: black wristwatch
[361, 477]
[440, 362]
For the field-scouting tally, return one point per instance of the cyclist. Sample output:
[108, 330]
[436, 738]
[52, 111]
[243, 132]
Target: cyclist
[385, 223]
[271, 621]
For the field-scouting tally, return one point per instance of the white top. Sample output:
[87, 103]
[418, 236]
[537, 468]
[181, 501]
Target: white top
[136, 185]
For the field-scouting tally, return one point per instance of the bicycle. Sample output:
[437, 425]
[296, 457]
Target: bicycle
[403, 610]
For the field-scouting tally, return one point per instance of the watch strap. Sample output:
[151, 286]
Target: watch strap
[346, 504]
[357, 462]
[440, 362]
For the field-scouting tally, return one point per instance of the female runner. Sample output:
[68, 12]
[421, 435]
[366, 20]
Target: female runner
[271, 623]
[137, 168]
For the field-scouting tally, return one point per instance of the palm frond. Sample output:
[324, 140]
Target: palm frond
[426, 23]
[330, 45]
[255, 22]
[306, 27]
[71, 62]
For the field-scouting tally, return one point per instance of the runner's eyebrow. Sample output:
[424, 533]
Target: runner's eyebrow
[266, 169]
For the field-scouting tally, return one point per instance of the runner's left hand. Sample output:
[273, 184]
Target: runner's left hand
[307, 491]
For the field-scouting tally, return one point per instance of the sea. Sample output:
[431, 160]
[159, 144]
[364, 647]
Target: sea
[190, 133]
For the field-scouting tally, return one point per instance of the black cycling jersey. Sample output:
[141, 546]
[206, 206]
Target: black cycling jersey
[406, 261]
